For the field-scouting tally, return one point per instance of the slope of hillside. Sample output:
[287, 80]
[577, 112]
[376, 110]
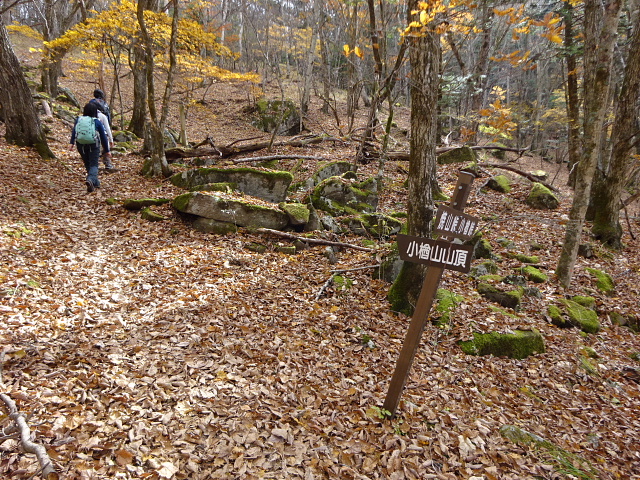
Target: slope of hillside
[149, 350]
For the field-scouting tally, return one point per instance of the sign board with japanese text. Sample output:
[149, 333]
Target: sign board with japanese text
[438, 253]
[454, 223]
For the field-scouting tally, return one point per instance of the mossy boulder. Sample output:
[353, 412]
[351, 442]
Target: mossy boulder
[227, 187]
[447, 303]
[209, 225]
[390, 266]
[585, 301]
[298, 213]
[487, 267]
[482, 249]
[526, 258]
[499, 183]
[239, 212]
[572, 314]
[518, 345]
[541, 175]
[625, 320]
[269, 185]
[604, 282]
[256, 247]
[151, 216]
[457, 155]
[280, 115]
[140, 203]
[505, 298]
[533, 274]
[542, 198]
[375, 225]
[332, 169]
[339, 196]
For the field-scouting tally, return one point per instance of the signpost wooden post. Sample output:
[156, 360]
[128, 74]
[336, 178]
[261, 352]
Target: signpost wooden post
[426, 251]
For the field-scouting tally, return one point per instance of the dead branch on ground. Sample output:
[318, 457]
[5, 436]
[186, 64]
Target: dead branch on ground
[174, 154]
[526, 175]
[317, 241]
[277, 157]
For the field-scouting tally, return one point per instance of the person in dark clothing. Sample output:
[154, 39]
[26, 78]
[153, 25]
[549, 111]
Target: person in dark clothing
[99, 100]
[90, 152]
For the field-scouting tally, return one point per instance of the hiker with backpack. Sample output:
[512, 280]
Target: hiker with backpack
[99, 100]
[104, 115]
[89, 135]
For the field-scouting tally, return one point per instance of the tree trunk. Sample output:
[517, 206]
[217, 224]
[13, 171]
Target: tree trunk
[21, 118]
[311, 55]
[157, 164]
[424, 55]
[606, 226]
[139, 115]
[600, 29]
[573, 99]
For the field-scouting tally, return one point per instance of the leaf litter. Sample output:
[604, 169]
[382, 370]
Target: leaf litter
[150, 350]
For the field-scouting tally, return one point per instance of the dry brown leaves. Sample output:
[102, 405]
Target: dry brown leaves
[148, 350]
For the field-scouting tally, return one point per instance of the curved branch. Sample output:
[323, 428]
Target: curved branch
[39, 451]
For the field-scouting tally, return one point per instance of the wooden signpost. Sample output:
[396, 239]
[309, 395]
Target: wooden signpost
[439, 255]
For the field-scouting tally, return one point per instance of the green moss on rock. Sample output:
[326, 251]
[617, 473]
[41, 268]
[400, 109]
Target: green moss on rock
[139, 204]
[604, 282]
[507, 299]
[542, 198]
[457, 155]
[585, 318]
[526, 258]
[499, 183]
[533, 274]
[518, 345]
[585, 301]
[151, 216]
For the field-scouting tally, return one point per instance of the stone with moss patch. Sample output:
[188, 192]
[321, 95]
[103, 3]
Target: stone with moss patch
[140, 203]
[298, 213]
[482, 249]
[280, 115]
[542, 198]
[490, 278]
[209, 225]
[585, 301]
[237, 211]
[151, 216]
[574, 314]
[630, 321]
[604, 282]
[487, 267]
[518, 345]
[332, 169]
[227, 187]
[286, 249]
[533, 274]
[376, 225]
[526, 258]
[508, 299]
[256, 247]
[271, 186]
[457, 155]
[339, 196]
[499, 183]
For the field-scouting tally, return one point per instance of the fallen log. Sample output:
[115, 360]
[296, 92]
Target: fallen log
[526, 175]
[234, 148]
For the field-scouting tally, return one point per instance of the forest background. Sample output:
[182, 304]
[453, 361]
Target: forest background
[181, 371]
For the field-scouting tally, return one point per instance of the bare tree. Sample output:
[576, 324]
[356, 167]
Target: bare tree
[600, 24]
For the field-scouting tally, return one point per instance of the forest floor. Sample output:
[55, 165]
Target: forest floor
[150, 350]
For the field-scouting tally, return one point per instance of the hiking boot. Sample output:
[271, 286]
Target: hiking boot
[111, 169]
[90, 186]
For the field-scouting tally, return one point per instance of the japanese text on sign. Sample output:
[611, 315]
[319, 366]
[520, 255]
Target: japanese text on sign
[456, 223]
[435, 252]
